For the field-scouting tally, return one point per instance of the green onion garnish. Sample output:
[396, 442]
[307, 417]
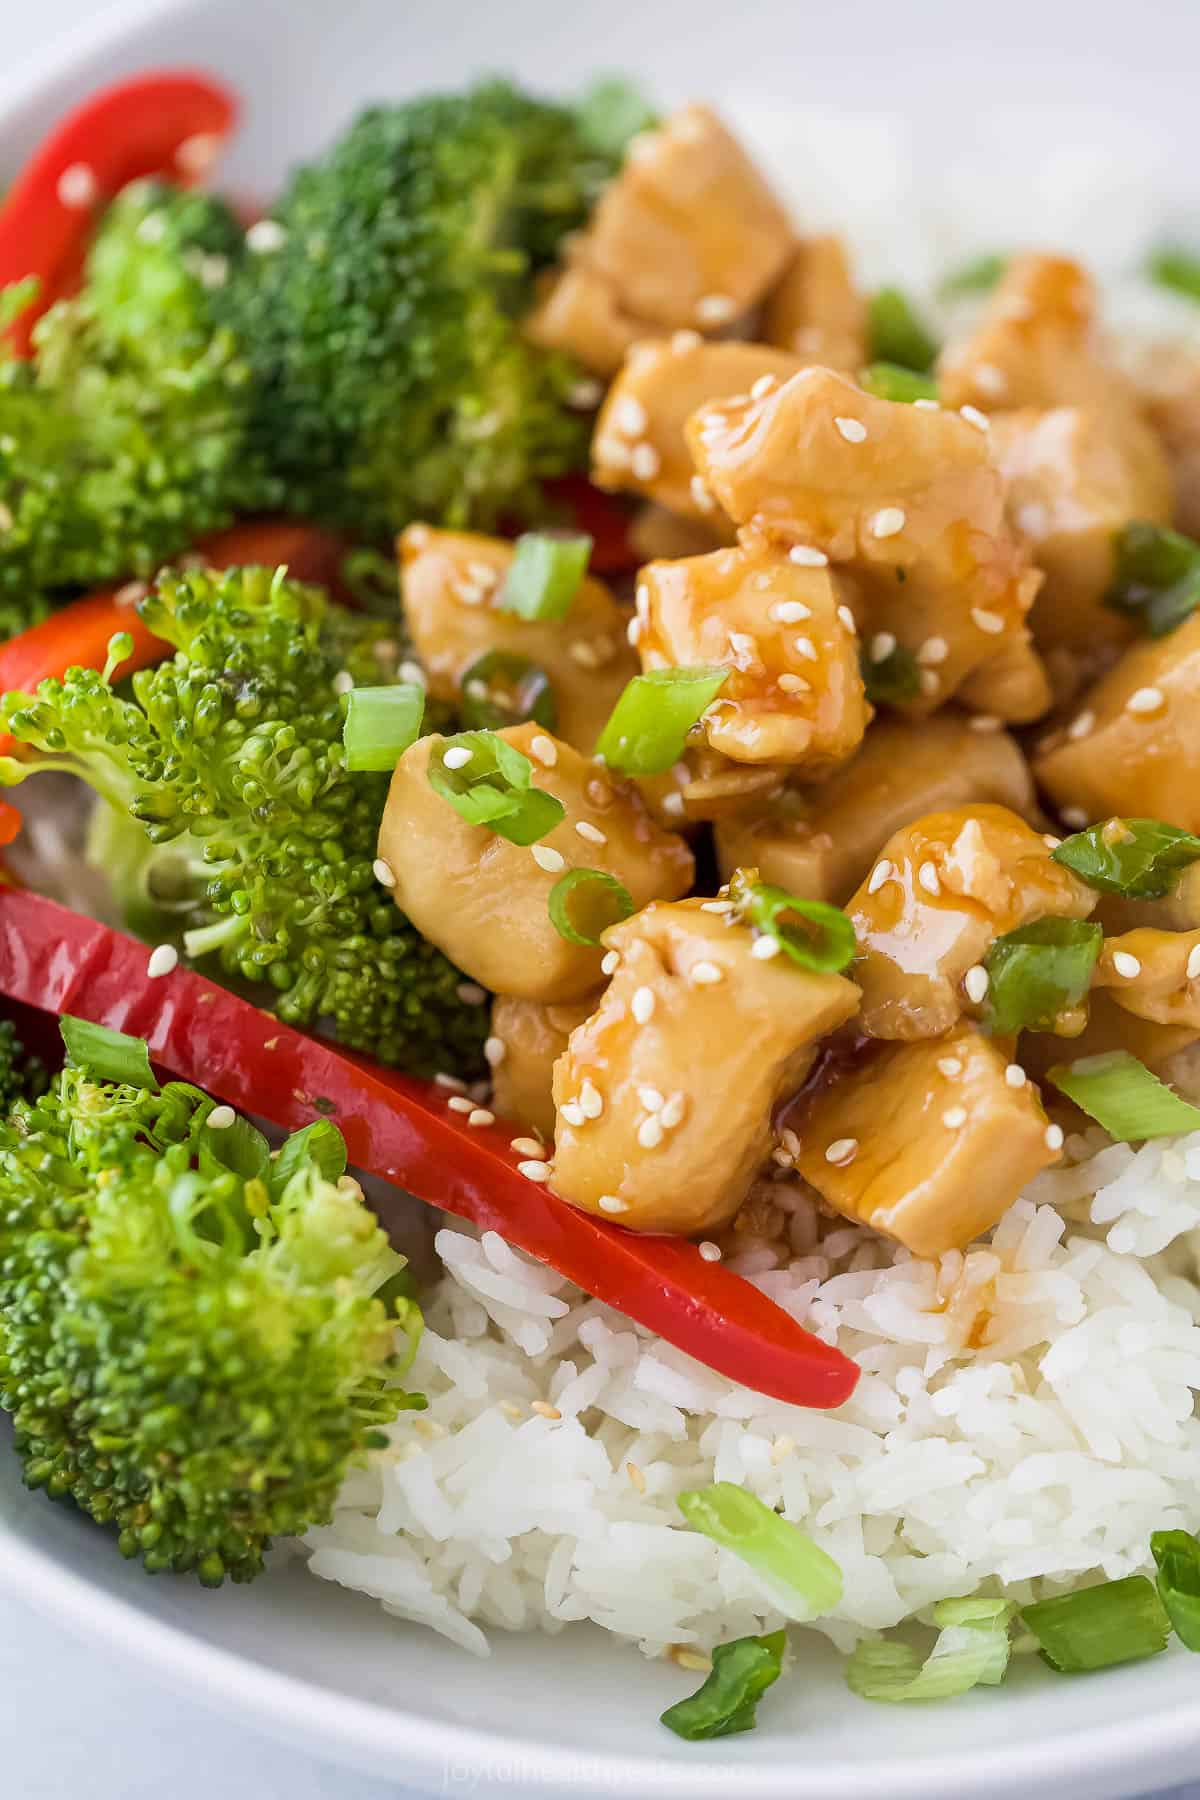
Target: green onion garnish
[1038, 971]
[374, 581]
[604, 900]
[107, 1055]
[504, 689]
[1136, 858]
[1121, 1094]
[647, 728]
[320, 1146]
[1156, 578]
[611, 112]
[972, 1649]
[741, 1673]
[892, 679]
[1098, 1627]
[493, 786]
[979, 276]
[891, 381]
[15, 297]
[544, 575]
[1177, 1555]
[828, 946]
[381, 722]
[896, 334]
[804, 1580]
[1175, 268]
[240, 1147]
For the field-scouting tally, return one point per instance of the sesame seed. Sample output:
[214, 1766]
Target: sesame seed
[650, 1133]
[642, 1005]
[888, 522]
[1051, 842]
[986, 723]
[764, 948]
[265, 235]
[1193, 962]
[610, 1203]
[611, 453]
[650, 1099]
[449, 1081]
[526, 1146]
[973, 416]
[709, 1252]
[853, 430]
[584, 655]
[481, 1117]
[879, 874]
[645, 462]
[808, 556]
[163, 958]
[636, 1477]
[629, 416]
[762, 387]
[582, 396]
[686, 340]
[470, 993]
[383, 872]
[633, 631]
[534, 1170]
[849, 622]
[701, 494]
[882, 645]
[127, 595]
[987, 621]
[1054, 1137]
[742, 644]
[591, 832]
[805, 647]
[544, 1410]
[544, 749]
[1126, 965]
[793, 684]
[933, 650]
[673, 1110]
[411, 672]
[842, 1150]
[991, 379]
[928, 682]
[495, 1050]
[976, 983]
[705, 974]
[591, 1100]
[716, 309]
[1075, 817]
[457, 757]
[927, 875]
[1079, 728]
[460, 1104]
[1145, 700]
[77, 186]
[789, 612]
[573, 1113]
[954, 1117]
[342, 683]
[716, 906]
[928, 405]
[1015, 1076]
[220, 1118]
[949, 1066]
[548, 858]
[610, 962]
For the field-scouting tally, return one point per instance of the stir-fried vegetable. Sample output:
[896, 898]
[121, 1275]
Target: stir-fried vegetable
[1121, 1094]
[1177, 1558]
[802, 1578]
[972, 1649]
[648, 727]
[381, 722]
[600, 897]
[544, 575]
[1157, 577]
[897, 334]
[1135, 858]
[1038, 971]
[728, 1699]
[490, 782]
[1099, 1627]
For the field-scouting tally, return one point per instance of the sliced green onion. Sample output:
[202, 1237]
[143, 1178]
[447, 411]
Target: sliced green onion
[373, 579]
[544, 575]
[1177, 1556]
[107, 1055]
[647, 728]
[829, 946]
[972, 1649]
[1038, 971]
[1156, 578]
[1136, 858]
[973, 1609]
[978, 276]
[611, 112]
[893, 679]
[15, 297]
[604, 898]
[319, 1146]
[494, 787]
[1172, 267]
[891, 381]
[741, 1673]
[1099, 1627]
[240, 1147]
[896, 334]
[804, 1580]
[1121, 1094]
[504, 689]
[381, 722]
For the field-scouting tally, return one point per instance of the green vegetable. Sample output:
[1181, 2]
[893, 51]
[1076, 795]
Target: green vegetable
[828, 946]
[979, 276]
[1136, 858]
[610, 113]
[972, 1648]
[896, 334]
[22, 1077]
[1173, 267]
[493, 787]
[1157, 577]
[805, 1581]
[1099, 1627]
[648, 727]
[726, 1702]
[107, 1055]
[501, 689]
[544, 575]
[1177, 1557]
[381, 722]
[890, 381]
[1121, 1094]
[1038, 971]
[606, 899]
[893, 679]
[226, 770]
[191, 1358]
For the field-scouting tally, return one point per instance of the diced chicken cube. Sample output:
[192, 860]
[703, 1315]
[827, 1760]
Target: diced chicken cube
[527, 1039]
[941, 892]
[815, 310]
[794, 692]
[1153, 974]
[820, 842]
[639, 441]
[905, 499]
[642, 1137]
[928, 1143]
[1133, 744]
[1108, 1027]
[704, 785]
[483, 900]
[452, 582]
[1170, 387]
[577, 311]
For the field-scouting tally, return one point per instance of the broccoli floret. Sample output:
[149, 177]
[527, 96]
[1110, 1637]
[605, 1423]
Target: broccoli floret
[126, 436]
[262, 845]
[190, 1355]
[382, 317]
[22, 1077]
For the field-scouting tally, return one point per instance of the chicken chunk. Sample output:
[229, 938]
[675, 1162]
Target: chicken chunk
[820, 842]
[452, 582]
[704, 786]
[1153, 974]
[904, 498]
[941, 892]
[641, 1134]
[794, 692]
[526, 1041]
[577, 311]
[928, 1143]
[815, 310]
[1133, 745]
[639, 441]
[654, 532]
[689, 233]
[1170, 388]
[483, 900]
[1075, 477]
[1107, 1027]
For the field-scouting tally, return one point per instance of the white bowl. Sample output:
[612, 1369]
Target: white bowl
[576, 1714]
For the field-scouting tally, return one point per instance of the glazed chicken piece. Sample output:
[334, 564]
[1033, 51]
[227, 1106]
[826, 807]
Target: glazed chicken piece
[527, 1038]
[794, 693]
[904, 498]
[1170, 388]
[1133, 745]
[820, 842]
[452, 582]
[639, 442]
[483, 900]
[704, 786]
[641, 1135]
[943, 889]
[1108, 1027]
[576, 311]
[1153, 974]
[929, 1143]
[815, 310]
[654, 532]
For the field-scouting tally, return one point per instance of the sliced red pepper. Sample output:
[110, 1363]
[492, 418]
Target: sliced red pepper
[605, 519]
[405, 1131]
[166, 122]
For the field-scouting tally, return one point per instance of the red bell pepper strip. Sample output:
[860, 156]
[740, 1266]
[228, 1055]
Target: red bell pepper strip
[166, 122]
[404, 1130]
